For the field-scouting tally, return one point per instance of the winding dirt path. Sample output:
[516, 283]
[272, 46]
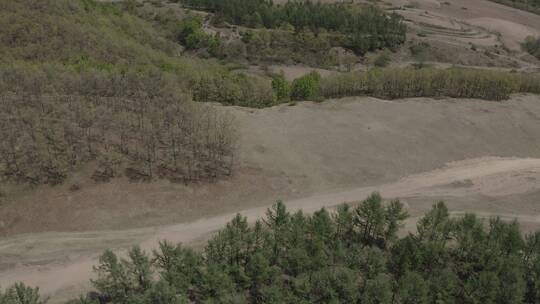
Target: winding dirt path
[502, 176]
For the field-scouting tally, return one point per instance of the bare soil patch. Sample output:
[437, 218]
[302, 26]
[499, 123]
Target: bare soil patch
[64, 273]
[311, 155]
[294, 151]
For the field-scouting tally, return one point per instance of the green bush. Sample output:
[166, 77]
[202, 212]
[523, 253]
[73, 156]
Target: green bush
[419, 50]
[306, 87]
[191, 34]
[382, 60]
[282, 88]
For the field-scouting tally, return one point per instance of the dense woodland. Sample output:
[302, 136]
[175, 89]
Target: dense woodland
[365, 28]
[351, 255]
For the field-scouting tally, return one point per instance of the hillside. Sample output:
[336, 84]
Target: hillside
[90, 82]
[293, 151]
[126, 123]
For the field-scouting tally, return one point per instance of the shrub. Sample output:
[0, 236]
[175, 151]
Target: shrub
[306, 87]
[532, 46]
[419, 49]
[282, 88]
[21, 294]
[382, 60]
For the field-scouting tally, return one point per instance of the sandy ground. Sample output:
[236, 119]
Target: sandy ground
[296, 151]
[496, 177]
[476, 155]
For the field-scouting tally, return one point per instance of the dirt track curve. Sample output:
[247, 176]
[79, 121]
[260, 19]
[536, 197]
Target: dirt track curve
[498, 176]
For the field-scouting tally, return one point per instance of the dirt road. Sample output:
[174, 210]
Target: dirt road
[63, 273]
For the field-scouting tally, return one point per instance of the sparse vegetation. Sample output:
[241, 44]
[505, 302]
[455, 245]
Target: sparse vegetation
[306, 87]
[382, 60]
[304, 47]
[418, 50]
[282, 88]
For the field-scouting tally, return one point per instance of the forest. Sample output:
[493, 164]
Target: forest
[365, 28]
[353, 254]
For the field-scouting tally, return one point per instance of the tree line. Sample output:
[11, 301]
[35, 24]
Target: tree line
[392, 83]
[366, 28]
[430, 82]
[353, 254]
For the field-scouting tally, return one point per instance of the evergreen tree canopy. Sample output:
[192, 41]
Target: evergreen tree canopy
[350, 255]
[366, 27]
